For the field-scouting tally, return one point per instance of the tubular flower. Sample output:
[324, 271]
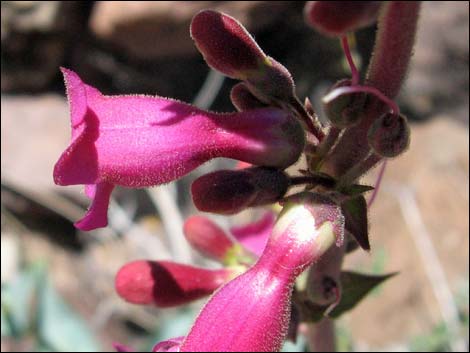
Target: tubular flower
[239, 316]
[167, 284]
[140, 141]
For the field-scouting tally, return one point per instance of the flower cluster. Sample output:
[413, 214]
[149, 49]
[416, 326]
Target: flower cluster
[141, 141]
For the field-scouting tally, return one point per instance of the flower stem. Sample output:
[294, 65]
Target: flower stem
[349, 58]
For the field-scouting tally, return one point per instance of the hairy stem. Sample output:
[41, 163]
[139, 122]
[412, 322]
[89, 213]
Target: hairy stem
[386, 73]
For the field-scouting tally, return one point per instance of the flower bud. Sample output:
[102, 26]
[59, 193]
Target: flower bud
[243, 99]
[207, 237]
[389, 135]
[346, 109]
[231, 191]
[272, 84]
[228, 47]
[336, 18]
[225, 44]
[166, 283]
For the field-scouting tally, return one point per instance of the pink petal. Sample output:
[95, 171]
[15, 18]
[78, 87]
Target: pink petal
[97, 214]
[171, 345]
[252, 312]
[254, 236]
[207, 237]
[166, 283]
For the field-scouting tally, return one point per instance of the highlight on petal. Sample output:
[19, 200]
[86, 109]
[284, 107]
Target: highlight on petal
[141, 141]
[207, 237]
[254, 236]
[166, 283]
[231, 191]
[239, 316]
[336, 18]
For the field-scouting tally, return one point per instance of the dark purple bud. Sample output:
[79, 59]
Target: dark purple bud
[231, 191]
[336, 18]
[389, 135]
[243, 99]
[346, 109]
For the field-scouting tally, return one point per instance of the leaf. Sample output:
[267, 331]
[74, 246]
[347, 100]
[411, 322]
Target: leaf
[355, 288]
[355, 214]
[59, 327]
[356, 189]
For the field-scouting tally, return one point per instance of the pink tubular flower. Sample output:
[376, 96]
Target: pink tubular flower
[166, 283]
[252, 312]
[140, 141]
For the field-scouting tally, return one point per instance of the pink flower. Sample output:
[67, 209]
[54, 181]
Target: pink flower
[140, 141]
[252, 312]
[167, 284]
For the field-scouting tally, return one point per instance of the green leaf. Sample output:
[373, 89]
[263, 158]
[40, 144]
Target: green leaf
[355, 214]
[355, 288]
[356, 189]
[59, 327]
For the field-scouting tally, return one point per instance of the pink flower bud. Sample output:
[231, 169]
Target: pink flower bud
[141, 141]
[166, 283]
[252, 312]
[208, 238]
[336, 18]
[231, 191]
[389, 135]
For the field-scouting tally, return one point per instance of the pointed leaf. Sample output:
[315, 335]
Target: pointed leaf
[355, 214]
[355, 288]
[356, 189]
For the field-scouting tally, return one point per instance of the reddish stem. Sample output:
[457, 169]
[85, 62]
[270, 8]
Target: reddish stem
[377, 184]
[349, 58]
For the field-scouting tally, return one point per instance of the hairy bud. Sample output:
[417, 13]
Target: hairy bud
[336, 18]
[346, 109]
[389, 135]
[231, 191]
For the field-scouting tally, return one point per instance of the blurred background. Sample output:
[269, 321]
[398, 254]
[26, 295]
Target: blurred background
[57, 283]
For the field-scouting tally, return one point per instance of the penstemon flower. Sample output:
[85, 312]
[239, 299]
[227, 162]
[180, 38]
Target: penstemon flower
[140, 141]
